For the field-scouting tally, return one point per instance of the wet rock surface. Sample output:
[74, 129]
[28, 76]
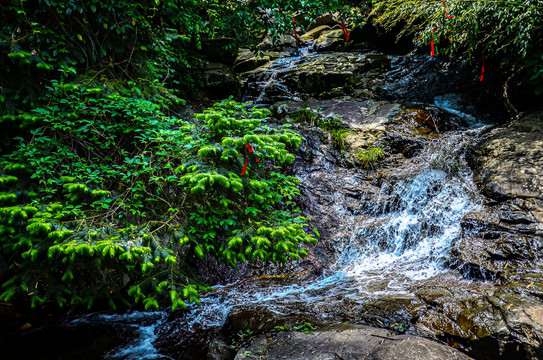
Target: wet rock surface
[508, 233]
[509, 161]
[325, 76]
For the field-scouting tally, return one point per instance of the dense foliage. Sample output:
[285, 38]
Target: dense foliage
[510, 31]
[113, 200]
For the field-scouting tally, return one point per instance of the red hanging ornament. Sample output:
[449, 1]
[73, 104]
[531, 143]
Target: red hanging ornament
[184, 31]
[345, 32]
[445, 7]
[482, 68]
[295, 33]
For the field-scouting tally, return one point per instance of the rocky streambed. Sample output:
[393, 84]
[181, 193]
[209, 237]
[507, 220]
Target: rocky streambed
[440, 239]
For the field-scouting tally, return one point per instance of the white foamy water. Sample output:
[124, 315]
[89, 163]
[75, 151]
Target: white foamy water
[410, 235]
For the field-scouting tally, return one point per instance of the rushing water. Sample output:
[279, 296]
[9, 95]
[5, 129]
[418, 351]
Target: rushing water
[405, 239]
[139, 325]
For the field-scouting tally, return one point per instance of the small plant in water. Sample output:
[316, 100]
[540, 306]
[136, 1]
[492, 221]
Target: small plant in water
[331, 123]
[338, 139]
[282, 328]
[370, 156]
[242, 339]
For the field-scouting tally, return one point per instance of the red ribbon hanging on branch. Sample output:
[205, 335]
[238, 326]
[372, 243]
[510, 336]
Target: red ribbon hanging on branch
[482, 68]
[295, 33]
[433, 53]
[445, 7]
[345, 32]
[248, 148]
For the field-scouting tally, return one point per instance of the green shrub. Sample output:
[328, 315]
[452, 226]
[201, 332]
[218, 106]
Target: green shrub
[126, 200]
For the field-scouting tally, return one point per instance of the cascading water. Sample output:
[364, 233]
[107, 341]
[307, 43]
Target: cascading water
[400, 243]
[410, 234]
[267, 85]
[138, 326]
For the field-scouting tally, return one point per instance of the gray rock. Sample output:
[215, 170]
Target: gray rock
[282, 43]
[219, 350]
[347, 342]
[329, 40]
[320, 74]
[314, 33]
[323, 20]
[508, 233]
[413, 348]
[509, 163]
[325, 76]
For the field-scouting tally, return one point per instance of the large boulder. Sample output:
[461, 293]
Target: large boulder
[329, 40]
[320, 75]
[509, 163]
[324, 76]
[507, 233]
[285, 42]
[346, 342]
[322, 21]
[247, 61]
[503, 240]
[314, 33]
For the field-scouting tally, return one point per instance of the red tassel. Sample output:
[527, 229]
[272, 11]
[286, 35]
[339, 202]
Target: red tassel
[260, 39]
[345, 32]
[184, 31]
[445, 7]
[295, 33]
[244, 167]
[483, 68]
[248, 148]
